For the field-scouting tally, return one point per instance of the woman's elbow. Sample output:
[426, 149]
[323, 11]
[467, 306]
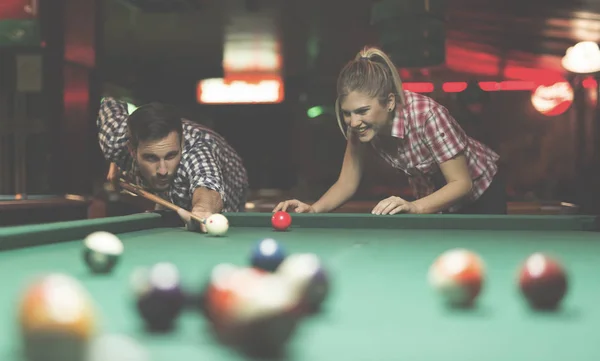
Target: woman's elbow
[467, 186]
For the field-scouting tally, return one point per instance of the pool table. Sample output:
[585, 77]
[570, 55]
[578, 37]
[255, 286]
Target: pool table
[20, 209]
[380, 306]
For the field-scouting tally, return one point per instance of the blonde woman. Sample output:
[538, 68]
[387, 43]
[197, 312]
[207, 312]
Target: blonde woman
[448, 171]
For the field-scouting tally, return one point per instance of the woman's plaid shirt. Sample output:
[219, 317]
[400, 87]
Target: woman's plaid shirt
[427, 135]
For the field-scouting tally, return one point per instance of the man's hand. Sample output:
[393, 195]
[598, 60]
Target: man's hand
[190, 223]
[113, 174]
[393, 205]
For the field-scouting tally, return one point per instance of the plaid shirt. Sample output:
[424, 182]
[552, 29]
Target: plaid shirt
[428, 135]
[207, 160]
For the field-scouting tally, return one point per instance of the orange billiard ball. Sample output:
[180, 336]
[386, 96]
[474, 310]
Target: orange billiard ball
[458, 275]
[56, 318]
[281, 220]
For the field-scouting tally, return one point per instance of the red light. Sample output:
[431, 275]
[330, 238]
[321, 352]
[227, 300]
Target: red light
[454, 87]
[507, 85]
[419, 87]
[590, 83]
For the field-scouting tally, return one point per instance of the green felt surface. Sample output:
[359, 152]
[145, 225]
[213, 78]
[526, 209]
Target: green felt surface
[380, 308]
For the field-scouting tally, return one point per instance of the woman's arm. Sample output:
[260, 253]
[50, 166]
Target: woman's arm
[458, 185]
[342, 190]
[348, 181]
[446, 141]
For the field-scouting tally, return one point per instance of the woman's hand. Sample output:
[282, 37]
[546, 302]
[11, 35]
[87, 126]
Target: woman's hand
[393, 205]
[298, 207]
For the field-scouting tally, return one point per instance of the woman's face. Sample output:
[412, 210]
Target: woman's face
[365, 116]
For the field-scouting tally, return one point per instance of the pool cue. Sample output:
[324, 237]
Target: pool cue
[156, 199]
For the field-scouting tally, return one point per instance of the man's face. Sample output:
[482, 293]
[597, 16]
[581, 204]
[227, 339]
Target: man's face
[158, 160]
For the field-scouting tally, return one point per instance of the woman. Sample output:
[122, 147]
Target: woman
[448, 171]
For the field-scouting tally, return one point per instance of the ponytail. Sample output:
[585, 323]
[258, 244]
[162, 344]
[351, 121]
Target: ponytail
[373, 73]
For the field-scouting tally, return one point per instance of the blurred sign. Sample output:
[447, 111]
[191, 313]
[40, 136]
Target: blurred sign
[241, 89]
[554, 99]
[252, 59]
[29, 73]
[19, 33]
[18, 9]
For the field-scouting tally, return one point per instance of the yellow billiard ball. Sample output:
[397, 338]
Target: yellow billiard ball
[56, 318]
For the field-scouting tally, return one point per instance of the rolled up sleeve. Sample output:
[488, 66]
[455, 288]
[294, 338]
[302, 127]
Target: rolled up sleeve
[443, 135]
[204, 170]
[112, 130]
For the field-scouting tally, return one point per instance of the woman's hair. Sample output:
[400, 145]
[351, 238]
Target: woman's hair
[371, 72]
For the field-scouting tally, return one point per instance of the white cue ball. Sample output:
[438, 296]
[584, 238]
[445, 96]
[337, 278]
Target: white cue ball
[217, 224]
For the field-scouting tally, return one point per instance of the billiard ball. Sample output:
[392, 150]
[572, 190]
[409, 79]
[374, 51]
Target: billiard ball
[307, 275]
[542, 281]
[217, 224]
[102, 251]
[216, 292]
[457, 275]
[267, 255]
[261, 316]
[57, 318]
[228, 285]
[281, 220]
[159, 298]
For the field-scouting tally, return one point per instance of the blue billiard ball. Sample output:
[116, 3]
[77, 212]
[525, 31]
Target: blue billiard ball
[267, 255]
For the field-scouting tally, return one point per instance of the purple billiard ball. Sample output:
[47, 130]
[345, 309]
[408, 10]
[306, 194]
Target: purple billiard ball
[159, 297]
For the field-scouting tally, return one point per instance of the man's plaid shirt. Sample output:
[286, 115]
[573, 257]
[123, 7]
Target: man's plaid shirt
[207, 159]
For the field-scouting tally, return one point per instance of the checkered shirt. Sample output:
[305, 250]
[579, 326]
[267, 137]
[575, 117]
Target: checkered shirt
[428, 135]
[207, 160]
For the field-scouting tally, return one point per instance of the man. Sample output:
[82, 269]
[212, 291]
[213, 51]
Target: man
[185, 163]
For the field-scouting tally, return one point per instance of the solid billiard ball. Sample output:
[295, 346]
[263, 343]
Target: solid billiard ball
[159, 296]
[457, 275]
[57, 318]
[281, 220]
[542, 281]
[217, 224]
[267, 254]
[102, 251]
[309, 279]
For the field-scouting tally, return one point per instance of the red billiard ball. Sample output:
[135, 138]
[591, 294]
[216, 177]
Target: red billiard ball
[281, 220]
[542, 281]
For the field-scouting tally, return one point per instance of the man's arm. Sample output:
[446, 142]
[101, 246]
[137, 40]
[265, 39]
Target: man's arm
[206, 181]
[206, 201]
